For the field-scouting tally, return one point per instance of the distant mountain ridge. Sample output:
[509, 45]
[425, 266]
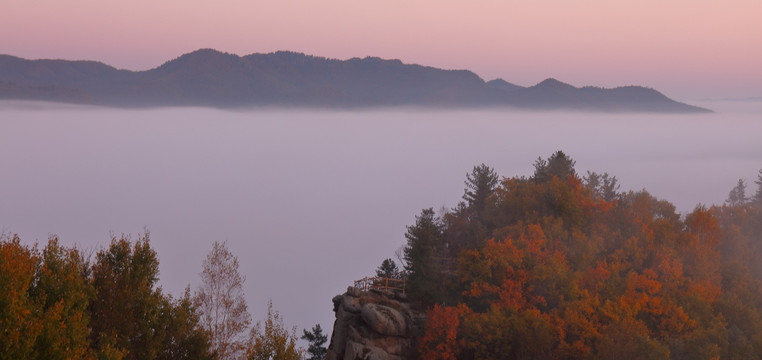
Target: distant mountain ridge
[208, 77]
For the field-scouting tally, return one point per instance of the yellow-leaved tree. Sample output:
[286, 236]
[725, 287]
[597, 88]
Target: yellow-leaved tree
[271, 340]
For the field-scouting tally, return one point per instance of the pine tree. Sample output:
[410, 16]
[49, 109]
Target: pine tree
[388, 269]
[558, 165]
[421, 253]
[757, 200]
[480, 183]
[317, 339]
[737, 196]
[603, 186]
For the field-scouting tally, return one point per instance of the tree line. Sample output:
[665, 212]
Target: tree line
[57, 303]
[563, 266]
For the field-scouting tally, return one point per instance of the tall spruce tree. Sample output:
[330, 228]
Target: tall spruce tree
[316, 350]
[421, 254]
[480, 184]
[388, 269]
[737, 195]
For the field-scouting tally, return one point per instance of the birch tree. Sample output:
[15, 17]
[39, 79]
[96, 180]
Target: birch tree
[222, 305]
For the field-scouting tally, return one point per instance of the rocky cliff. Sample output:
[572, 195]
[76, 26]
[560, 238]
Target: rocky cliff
[374, 325]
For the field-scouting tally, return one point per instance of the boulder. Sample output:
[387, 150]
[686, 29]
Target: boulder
[357, 351]
[384, 320]
[351, 304]
[373, 325]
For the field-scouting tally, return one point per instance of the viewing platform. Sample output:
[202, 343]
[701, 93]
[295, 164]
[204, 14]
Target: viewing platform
[380, 283]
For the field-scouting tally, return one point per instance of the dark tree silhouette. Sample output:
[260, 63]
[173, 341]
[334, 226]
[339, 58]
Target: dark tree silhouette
[757, 200]
[423, 242]
[388, 269]
[559, 165]
[603, 186]
[480, 183]
[316, 350]
[737, 195]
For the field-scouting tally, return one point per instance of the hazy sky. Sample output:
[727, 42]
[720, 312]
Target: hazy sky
[687, 49]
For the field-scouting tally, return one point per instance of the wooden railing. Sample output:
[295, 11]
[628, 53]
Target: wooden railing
[380, 283]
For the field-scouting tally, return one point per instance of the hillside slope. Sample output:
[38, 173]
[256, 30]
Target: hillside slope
[208, 77]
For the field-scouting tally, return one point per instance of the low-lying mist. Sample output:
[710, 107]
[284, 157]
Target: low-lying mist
[311, 200]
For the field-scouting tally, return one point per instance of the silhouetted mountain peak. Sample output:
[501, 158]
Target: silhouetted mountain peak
[207, 54]
[502, 84]
[202, 58]
[551, 83]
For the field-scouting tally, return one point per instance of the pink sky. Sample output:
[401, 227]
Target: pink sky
[688, 49]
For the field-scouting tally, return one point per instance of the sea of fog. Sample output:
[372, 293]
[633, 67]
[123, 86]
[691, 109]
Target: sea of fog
[311, 200]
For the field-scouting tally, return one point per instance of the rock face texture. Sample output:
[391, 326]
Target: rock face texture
[374, 325]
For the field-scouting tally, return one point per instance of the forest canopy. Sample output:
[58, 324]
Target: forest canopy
[58, 304]
[558, 266]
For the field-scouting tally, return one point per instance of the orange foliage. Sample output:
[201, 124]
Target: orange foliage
[577, 277]
[440, 340]
[705, 290]
[705, 226]
[594, 278]
[19, 322]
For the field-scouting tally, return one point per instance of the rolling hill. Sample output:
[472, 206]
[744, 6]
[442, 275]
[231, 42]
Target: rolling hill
[208, 77]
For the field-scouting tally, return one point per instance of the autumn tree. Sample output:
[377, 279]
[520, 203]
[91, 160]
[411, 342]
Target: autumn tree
[271, 340]
[125, 313]
[19, 322]
[440, 342]
[107, 310]
[316, 349]
[572, 268]
[220, 300]
[58, 305]
[63, 293]
[184, 338]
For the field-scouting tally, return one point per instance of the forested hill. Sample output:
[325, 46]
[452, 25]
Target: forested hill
[211, 78]
[564, 266]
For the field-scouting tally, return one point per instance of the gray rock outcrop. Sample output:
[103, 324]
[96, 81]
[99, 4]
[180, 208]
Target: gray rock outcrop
[374, 325]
